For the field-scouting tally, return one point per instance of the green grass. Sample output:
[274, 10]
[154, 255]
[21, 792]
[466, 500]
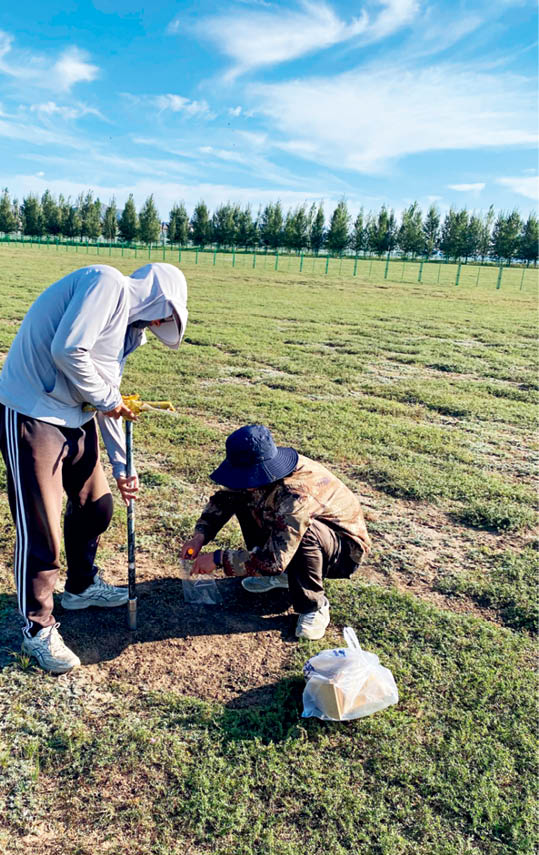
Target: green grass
[426, 394]
[450, 770]
[505, 581]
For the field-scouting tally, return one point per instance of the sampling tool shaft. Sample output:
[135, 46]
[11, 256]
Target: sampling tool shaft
[131, 569]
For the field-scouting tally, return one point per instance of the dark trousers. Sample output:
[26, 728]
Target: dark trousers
[43, 461]
[322, 553]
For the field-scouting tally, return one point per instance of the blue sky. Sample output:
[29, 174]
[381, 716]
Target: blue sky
[254, 101]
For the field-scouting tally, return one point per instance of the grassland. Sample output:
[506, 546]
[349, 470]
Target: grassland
[423, 397]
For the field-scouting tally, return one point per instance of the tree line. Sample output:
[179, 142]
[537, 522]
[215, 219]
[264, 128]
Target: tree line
[459, 235]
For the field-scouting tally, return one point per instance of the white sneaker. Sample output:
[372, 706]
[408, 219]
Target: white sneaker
[99, 593]
[261, 584]
[312, 625]
[48, 648]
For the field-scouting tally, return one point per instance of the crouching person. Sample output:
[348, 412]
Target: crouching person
[300, 524]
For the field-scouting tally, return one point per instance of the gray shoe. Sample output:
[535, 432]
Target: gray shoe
[99, 594]
[312, 625]
[261, 584]
[48, 648]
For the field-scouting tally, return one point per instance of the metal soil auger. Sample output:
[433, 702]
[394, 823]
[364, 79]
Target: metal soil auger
[137, 407]
[131, 566]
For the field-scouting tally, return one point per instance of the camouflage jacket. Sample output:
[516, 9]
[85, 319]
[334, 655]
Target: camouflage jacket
[275, 518]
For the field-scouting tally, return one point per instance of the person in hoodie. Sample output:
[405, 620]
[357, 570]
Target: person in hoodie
[70, 351]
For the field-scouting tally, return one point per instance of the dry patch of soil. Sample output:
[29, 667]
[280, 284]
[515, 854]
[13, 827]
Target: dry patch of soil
[236, 653]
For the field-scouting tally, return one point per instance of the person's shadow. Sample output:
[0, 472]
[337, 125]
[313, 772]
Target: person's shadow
[99, 635]
[268, 713]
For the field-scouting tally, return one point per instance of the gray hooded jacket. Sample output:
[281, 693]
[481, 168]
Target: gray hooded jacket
[72, 345]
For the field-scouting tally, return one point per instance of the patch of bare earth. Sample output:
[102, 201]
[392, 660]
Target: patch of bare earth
[415, 545]
[234, 653]
[237, 652]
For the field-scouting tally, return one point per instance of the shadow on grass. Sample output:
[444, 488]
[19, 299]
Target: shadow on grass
[100, 635]
[268, 714]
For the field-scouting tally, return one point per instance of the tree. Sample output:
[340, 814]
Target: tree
[529, 240]
[63, 209]
[453, 235]
[471, 237]
[506, 235]
[8, 221]
[245, 228]
[178, 225]
[32, 217]
[52, 216]
[200, 225]
[90, 214]
[223, 225]
[382, 231]
[410, 236]
[485, 238]
[149, 222]
[358, 236]
[337, 237]
[72, 224]
[431, 230]
[110, 221]
[296, 231]
[271, 225]
[317, 235]
[128, 225]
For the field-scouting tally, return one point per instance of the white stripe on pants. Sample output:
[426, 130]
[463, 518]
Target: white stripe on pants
[21, 542]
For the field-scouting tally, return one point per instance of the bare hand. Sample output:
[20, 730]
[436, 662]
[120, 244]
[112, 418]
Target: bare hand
[121, 412]
[204, 564]
[192, 547]
[128, 488]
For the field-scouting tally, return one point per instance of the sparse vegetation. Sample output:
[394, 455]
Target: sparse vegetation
[422, 398]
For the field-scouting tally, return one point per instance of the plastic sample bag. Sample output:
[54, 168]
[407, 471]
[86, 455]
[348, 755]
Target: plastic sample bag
[201, 592]
[347, 683]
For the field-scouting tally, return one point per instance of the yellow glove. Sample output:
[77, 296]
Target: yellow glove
[137, 406]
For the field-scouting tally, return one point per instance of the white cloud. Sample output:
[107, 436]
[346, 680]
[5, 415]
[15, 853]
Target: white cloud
[467, 188]
[50, 108]
[5, 43]
[527, 186]
[440, 29]
[99, 163]
[179, 104]
[172, 103]
[72, 68]
[234, 111]
[248, 158]
[395, 15]
[224, 154]
[253, 138]
[258, 38]
[60, 75]
[15, 129]
[363, 119]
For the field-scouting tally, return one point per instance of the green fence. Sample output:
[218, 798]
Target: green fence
[437, 273]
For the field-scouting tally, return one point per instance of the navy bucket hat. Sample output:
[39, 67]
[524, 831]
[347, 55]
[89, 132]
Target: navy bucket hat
[253, 459]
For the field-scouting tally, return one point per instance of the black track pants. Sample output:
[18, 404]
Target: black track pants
[43, 461]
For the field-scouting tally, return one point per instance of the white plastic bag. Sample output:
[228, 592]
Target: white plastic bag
[347, 683]
[201, 591]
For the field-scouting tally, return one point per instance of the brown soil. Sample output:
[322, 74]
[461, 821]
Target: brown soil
[238, 652]
[234, 653]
